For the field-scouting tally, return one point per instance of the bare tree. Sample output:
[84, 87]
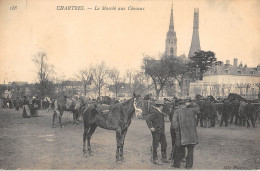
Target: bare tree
[138, 83]
[44, 70]
[161, 70]
[86, 77]
[117, 81]
[99, 73]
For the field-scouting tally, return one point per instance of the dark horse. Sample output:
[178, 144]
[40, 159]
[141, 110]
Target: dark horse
[117, 118]
[66, 104]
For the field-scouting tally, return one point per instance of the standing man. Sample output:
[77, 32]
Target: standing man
[213, 114]
[225, 113]
[242, 113]
[207, 109]
[155, 122]
[250, 109]
[184, 126]
[234, 111]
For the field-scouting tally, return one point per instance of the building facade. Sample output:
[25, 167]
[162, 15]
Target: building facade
[223, 79]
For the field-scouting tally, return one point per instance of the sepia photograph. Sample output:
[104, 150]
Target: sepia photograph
[129, 85]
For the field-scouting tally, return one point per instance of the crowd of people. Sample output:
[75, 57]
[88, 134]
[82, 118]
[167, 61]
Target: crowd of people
[185, 116]
[29, 105]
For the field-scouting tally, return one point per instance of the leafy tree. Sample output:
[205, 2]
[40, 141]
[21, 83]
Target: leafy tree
[200, 63]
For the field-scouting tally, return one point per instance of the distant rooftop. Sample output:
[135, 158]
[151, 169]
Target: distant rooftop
[227, 69]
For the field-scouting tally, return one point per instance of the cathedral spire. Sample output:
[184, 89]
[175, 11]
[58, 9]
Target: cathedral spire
[171, 40]
[195, 42]
[171, 26]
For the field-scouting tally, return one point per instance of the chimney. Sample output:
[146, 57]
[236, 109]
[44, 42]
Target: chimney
[227, 62]
[258, 67]
[235, 62]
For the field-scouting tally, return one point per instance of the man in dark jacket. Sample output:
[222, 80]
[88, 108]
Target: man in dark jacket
[200, 115]
[225, 113]
[184, 125]
[155, 122]
[234, 111]
[207, 109]
[213, 114]
[249, 110]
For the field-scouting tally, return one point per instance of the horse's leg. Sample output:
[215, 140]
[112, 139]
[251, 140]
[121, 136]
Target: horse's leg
[122, 144]
[74, 117]
[86, 129]
[53, 118]
[91, 131]
[77, 117]
[61, 113]
[118, 144]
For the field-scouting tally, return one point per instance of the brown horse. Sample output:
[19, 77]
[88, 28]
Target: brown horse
[117, 118]
[66, 104]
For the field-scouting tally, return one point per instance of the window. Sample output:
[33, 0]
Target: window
[226, 71]
[252, 72]
[171, 51]
[239, 72]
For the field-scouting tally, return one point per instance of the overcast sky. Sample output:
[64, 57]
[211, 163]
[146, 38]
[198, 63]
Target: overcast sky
[75, 39]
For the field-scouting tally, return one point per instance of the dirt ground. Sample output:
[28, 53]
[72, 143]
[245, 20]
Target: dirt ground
[32, 143]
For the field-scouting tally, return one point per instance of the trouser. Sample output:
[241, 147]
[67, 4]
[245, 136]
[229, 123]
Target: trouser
[207, 122]
[234, 114]
[213, 121]
[159, 137]
[224, 118]
[242, 120]
[250, 118]
[200, 119]
[178, 155]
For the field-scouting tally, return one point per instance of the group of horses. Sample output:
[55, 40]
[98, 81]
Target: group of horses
[115, 117]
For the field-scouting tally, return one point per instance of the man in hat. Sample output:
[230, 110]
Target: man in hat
[155, 122]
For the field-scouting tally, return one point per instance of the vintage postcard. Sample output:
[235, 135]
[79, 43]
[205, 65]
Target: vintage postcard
[128, 84]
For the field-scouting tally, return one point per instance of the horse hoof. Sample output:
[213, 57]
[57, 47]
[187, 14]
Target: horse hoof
[62, 126]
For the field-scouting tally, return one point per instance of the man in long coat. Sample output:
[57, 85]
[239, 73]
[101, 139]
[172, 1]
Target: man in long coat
[234, 111]
[242, 113]
[213, 114]
[184, 125]
[250, 109]
[225, 113]
[207, 112]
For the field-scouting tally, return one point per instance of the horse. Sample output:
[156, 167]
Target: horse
[117, 118]
[66, 104]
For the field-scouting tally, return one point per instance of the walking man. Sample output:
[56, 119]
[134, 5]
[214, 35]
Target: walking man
[155, 122]
[184, 126]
